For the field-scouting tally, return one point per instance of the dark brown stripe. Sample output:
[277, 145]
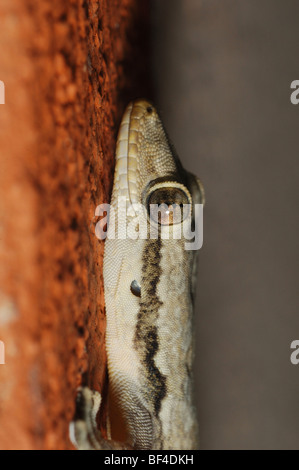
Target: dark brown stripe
[146, 337]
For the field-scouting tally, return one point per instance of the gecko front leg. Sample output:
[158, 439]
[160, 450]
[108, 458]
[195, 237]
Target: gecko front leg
[84, 433]
[149, 290]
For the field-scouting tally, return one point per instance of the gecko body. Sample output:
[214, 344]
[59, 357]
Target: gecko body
[149, 289]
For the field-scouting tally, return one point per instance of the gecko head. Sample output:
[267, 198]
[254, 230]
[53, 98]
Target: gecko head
[148, 170]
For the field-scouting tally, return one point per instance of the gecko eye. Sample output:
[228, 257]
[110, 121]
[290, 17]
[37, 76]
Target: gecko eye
[135, 288]
[169, 205]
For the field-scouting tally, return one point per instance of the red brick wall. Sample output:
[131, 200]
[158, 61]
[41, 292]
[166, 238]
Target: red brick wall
[69, 69]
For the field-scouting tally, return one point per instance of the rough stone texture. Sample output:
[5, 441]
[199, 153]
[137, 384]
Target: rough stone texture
[69, 69]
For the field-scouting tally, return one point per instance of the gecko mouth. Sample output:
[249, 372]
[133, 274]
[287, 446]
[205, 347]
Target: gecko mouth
[127, 169]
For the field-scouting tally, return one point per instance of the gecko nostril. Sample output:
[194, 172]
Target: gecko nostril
[135, 288]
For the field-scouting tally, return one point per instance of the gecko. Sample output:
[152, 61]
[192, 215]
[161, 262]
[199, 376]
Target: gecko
[149, 285]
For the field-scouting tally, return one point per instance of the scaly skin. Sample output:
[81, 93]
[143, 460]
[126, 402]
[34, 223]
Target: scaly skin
[149, 286]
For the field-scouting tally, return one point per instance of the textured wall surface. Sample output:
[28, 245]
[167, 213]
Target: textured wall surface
[223, 70]
[69, 69]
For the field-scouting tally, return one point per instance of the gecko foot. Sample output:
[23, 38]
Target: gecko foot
[84, 433]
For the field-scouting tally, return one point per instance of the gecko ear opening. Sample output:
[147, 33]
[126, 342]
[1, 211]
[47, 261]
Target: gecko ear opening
[135, 288]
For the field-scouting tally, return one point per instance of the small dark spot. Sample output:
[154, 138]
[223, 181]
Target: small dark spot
[80, 330]
[149, 109]
[71, 268]
[135, 288]
[63, 17]
[74, 224]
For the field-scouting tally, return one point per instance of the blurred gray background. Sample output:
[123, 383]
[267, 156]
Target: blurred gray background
[222, 75]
